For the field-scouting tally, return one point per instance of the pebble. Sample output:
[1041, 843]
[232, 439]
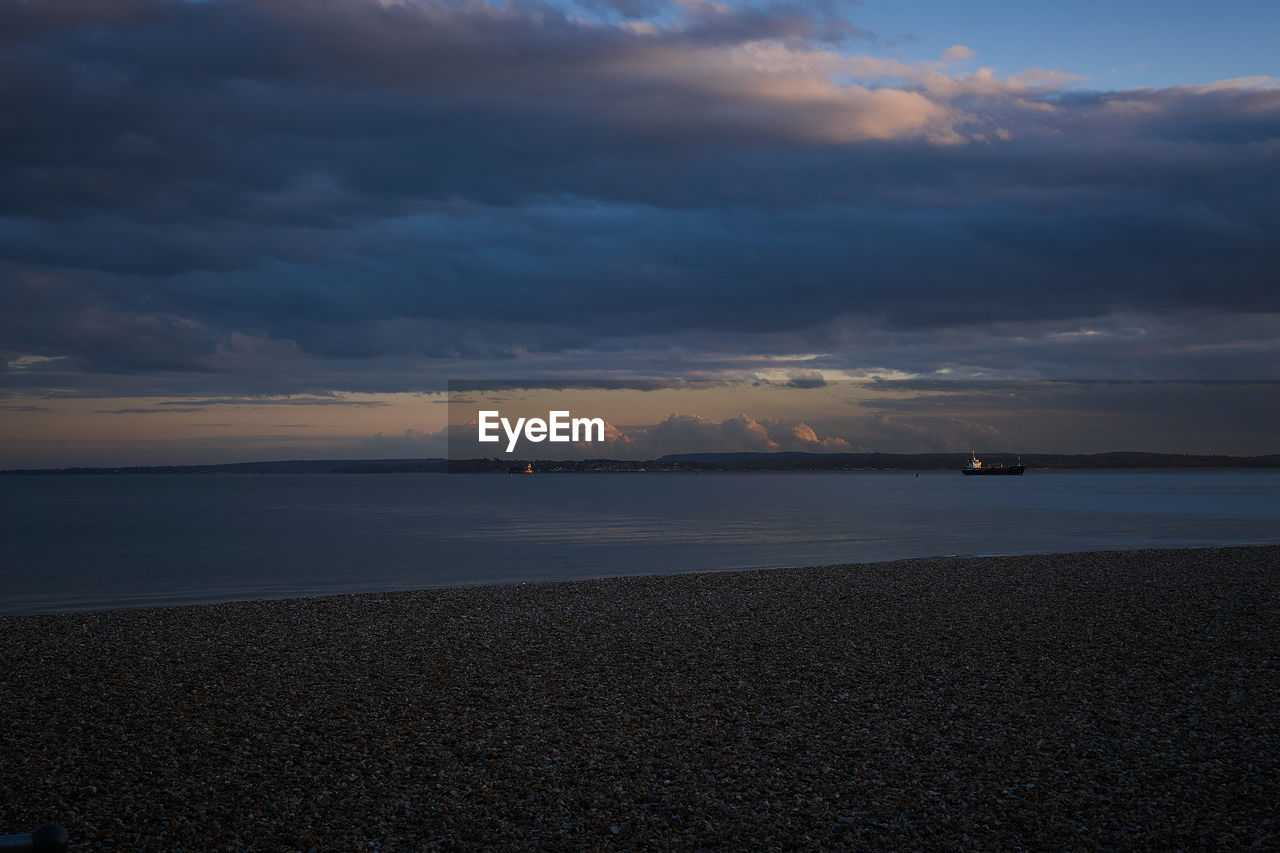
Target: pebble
[1116, 700]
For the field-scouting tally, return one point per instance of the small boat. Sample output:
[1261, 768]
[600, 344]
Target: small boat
[975, 466]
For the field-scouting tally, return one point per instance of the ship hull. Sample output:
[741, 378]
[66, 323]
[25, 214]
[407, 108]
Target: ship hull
[1012, 470]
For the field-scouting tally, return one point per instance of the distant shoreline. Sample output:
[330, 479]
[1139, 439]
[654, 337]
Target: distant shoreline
[696, 462]
[444, 587]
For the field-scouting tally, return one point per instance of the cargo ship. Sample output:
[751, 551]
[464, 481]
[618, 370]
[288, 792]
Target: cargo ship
[975, 466]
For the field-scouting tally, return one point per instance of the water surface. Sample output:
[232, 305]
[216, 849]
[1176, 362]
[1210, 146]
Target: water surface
[98, 541]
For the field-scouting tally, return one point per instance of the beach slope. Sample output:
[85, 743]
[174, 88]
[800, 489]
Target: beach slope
[1122, 700]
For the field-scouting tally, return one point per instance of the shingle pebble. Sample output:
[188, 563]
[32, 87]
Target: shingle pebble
[1121, 700]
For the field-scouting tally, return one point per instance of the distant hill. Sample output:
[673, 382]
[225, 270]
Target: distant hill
[934, 461]
[700, 462]
[308, 466]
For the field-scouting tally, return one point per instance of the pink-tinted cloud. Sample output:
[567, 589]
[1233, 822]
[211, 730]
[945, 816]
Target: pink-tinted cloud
[692, 434]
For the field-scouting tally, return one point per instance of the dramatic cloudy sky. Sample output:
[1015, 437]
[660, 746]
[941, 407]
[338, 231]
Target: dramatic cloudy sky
[262, 229]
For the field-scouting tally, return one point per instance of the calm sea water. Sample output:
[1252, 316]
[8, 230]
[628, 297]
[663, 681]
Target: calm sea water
[81, 542]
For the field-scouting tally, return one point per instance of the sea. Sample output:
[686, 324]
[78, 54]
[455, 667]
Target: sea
[85, 542]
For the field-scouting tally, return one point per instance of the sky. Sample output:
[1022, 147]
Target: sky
[257, 230]
[809, 414]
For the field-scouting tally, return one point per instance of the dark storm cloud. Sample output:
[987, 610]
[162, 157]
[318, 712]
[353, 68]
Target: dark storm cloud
[277, 401]
[807, 379]
[468, 385]
[142, 411]
[1236, 401]
[283, 192]
[628, 9]
[819, 21]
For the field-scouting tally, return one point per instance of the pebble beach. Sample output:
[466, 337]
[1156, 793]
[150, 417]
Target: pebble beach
[1114, 700]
